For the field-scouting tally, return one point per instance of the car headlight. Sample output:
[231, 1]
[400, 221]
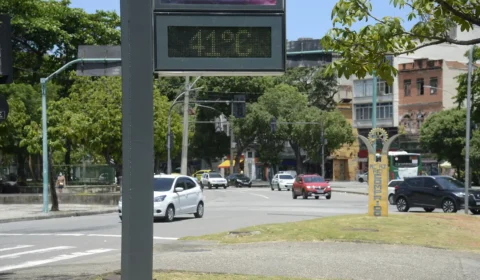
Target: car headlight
[460, 194]
[159, 198]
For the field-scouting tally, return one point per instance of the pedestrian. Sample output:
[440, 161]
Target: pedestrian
[61, 182]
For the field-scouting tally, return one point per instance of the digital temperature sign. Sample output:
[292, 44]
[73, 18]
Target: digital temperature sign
[219, 42]
[220, 5]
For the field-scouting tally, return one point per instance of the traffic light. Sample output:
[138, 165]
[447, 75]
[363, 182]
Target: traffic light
[239, 106]
[6, 60]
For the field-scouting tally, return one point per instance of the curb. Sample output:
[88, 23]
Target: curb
[350, 192]
[62, 215]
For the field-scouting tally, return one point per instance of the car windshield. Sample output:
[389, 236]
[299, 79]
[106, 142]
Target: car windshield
[162, 184]
[215, 175]
[315, 179]
[241, 176]
[450, 183]
[285, 177]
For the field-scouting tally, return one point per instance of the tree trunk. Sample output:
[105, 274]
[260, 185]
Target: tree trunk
[21, 168]
[53, 191]
[298, 157]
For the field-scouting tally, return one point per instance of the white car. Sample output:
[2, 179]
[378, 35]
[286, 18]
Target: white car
[391, 190]
[174, 195]
[213, 179]
[282, 182]
[362, 177]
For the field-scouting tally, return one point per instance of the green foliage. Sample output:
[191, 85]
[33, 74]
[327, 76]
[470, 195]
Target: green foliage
[364, 51]
[443, 133]
[315, 82]
[463, 86]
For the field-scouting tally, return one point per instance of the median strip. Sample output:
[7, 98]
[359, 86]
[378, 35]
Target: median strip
[436, 230]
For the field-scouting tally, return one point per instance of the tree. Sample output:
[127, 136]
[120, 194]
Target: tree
[364, 51]
[316, 83]
[443, 133]
[285, 102]
[245, 131]
[463, 86]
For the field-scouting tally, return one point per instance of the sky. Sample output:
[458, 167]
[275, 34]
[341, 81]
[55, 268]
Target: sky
[305, 18]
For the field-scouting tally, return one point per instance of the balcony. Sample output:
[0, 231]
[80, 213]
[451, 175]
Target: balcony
[368, 123]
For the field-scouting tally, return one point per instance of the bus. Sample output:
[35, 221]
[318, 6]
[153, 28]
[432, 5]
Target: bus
[402, 164]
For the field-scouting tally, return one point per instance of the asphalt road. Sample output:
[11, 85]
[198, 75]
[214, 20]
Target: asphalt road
[79, 247]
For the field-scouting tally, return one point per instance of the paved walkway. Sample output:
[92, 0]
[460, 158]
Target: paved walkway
[20, 212]
[323, 260]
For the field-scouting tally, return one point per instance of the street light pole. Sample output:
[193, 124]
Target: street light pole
[184, 163]
[374, 107]
[467, 140]
[230, 124]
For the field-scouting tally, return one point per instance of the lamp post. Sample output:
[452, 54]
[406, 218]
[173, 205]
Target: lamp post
[467, 139]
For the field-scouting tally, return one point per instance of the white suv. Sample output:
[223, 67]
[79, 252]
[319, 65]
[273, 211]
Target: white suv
[282, 181]
[213, 179]
[174, 195]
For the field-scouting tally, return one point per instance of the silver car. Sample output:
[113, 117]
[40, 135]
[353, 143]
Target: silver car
[362, 177]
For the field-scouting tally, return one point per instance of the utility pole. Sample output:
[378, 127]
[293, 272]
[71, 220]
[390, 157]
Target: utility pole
[467, 140]
[186, 103]
[323, 151]
[374, 108]
[230, 127]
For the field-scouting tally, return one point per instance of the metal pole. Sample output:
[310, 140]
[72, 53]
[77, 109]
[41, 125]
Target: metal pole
[44, 145]
[169, 145]
[374, 107]
[467, 140]
[323, 150]
[230, 124]
[184, 164]
[137, 139]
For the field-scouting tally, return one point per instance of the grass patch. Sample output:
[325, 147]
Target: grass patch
[174, 275]
[447, 231]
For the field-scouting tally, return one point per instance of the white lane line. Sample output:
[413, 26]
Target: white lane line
[80, 235]
[266, 197]
[39, 251]
[55, 259]
[15, 248]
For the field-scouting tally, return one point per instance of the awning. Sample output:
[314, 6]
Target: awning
[226, 164]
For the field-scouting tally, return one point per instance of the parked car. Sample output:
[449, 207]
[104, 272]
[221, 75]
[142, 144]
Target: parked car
[239, 180]
[311, 185]
[391, 190]
[174, 195]
[362, 177]
[432, 192]
[282, 181]
[9, 184]
[213, 179]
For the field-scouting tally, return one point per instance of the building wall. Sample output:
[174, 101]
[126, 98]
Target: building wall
[345, 159]
[414, 108]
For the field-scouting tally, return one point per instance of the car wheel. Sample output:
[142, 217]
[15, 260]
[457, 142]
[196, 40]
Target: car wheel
[475, 211]
[402, 205]
[170, 214]
[361, 180]
[449, 206]
[249, 186]
[200, 210]
[391, 199]
[225, 187]
[317, 197]
[209, 186]
[328, 196]
[428, 209]
[294, 196]
[304, 194]
[279, 189]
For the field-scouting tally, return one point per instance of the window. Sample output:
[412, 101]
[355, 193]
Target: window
[414, 182]
[189, 184]
[407, 87]
[162, 184]
[180, 183]
[429, 183]
[363, 88]
[286, 177]
[314, 179]
[433, 86]
[420, 63]
[420, 87]
[215, 175]
[364, 111]
[431, 63]
[383, 88]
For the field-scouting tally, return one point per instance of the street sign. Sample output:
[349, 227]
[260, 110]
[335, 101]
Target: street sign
[3, 108]
[99, 69]
[220, 37]
[6, 60]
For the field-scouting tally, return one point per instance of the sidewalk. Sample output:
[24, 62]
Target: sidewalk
[322, 260]
[25, 212]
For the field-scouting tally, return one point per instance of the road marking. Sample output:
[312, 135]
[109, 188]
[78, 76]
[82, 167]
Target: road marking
[15, 248]
[54, 259]
[266, 197]
[39, 251]
[80, 235]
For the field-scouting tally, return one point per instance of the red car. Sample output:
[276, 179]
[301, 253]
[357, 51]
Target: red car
[311, 185]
